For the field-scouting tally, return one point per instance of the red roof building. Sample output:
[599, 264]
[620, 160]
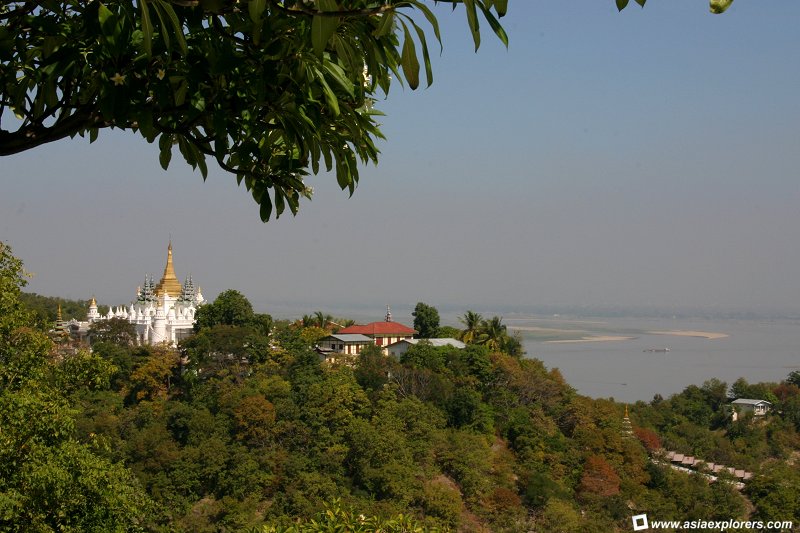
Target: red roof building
[384, 333]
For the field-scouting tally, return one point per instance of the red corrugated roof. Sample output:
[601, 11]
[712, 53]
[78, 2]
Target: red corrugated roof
[379, 328]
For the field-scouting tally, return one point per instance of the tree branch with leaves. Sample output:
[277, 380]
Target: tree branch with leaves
[269, 90]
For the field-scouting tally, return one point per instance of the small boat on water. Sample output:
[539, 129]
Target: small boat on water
[657, 350]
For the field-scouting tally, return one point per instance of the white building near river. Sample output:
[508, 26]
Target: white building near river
[162, 312]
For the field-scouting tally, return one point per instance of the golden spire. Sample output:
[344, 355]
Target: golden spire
[61, 327]
[93, 303]
[169, 281]
[627, 427]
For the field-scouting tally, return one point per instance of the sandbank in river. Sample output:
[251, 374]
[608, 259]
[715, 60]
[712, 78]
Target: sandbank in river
[683, 333]
[597, 338]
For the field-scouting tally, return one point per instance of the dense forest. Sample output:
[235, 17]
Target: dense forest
[45, 308]
[243, 427]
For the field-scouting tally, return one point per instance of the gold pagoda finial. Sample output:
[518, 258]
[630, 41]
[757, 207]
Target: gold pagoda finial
[626, 411]
[58, 317]
[93, 302]
[169, 281]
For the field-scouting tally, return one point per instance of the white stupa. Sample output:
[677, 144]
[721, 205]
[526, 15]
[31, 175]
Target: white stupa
[162, 312]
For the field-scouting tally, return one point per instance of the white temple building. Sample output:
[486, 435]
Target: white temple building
[162, 312]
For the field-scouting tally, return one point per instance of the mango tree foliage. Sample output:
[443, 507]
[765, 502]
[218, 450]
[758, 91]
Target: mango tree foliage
[268, 89]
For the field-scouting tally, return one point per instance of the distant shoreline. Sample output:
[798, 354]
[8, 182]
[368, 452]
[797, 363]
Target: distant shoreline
[683, 333]
[598, 338]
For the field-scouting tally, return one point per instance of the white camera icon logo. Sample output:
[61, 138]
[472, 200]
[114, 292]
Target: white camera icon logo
[640, 522]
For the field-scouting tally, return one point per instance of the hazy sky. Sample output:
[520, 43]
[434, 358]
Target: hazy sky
[642, 158]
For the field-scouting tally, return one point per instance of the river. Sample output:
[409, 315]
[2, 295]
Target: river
[766, 350]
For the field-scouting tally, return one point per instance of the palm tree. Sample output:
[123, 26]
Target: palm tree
[342, 322]
[339, 323]
[493, 333]
[512, 345]
[321, 320]
[472, 321]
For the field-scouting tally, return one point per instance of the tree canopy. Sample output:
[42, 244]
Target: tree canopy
[426, 320]
[49, 479]
[127, 438]
[270, 90]
[231, 308]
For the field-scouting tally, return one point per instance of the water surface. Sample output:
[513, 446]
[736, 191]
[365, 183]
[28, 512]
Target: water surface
[755, 350]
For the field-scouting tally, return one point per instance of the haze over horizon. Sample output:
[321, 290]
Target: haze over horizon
[645, 159]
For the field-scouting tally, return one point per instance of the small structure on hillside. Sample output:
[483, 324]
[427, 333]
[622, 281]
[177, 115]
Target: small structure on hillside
[60, 331]
[382, 333]
[400, 347]
[343, 343]
[748, 405]
[627, 427]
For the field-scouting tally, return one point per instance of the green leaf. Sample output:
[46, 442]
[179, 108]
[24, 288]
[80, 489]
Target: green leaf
[280, 205]
[330, 96]
[164, 34]
[201, 162]
[294, 202]
[641, 2]
[719, 6]
[179, 86]
[198, 101]
[431, 20]
[338, 74]
[189, 151]
[145, 122]
[472, 20]
[386, 25]
[408, 59]
[315, 156]
[107, 20]
[266, 208]
[176, 25]
[165, 154]
[621, 4]
[426, 59]
[322, 28]
[495, 25]
[256, 8]
[347, 55]
[103, 13]
[147, 28]
[343, 177]
[326, 154]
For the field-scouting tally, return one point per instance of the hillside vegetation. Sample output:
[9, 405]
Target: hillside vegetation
[243, 428]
